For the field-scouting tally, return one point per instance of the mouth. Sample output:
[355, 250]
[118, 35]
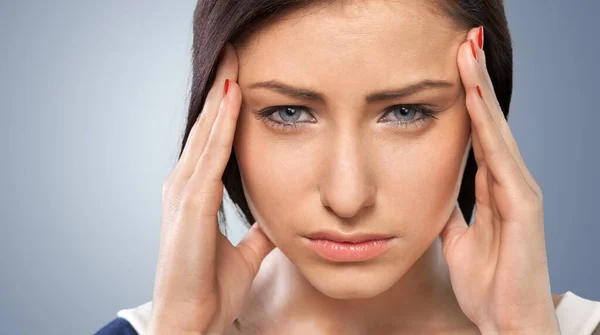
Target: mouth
[338, 247]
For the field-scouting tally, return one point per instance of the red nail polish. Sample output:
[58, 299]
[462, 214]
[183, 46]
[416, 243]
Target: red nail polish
[473, 49]
[226, 85]
[480, 37]
[479, 92]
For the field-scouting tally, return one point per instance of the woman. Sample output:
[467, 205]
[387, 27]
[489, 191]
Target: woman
[357, 137]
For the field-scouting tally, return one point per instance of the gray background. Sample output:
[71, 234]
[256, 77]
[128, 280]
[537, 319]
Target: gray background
[92, 101]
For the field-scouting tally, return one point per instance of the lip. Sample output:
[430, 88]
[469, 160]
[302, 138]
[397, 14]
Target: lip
[338, 247]
[352, 238]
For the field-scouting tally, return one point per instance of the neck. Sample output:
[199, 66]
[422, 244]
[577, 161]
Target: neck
[422, 300]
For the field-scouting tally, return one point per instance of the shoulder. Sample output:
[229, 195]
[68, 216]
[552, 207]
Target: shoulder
[118, 326]
[577, 315]
[130, 321]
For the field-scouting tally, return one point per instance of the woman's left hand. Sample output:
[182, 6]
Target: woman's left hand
[498, 265]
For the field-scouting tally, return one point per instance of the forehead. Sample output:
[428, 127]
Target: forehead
[352, 44]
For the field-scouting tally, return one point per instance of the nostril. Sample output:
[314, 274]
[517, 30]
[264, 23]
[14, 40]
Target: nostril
[347, 202]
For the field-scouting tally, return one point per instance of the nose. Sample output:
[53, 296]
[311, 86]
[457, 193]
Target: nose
[347, 187]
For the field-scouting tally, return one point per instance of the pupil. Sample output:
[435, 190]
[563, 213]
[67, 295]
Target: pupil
[289, 114]
[405, 113]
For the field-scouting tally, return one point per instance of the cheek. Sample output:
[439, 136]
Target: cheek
[278, 173]
[424, 176]
[417, 180]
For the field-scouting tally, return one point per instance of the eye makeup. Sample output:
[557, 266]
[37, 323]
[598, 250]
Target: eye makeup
[290, 117]
[285, 118]
[402, 114]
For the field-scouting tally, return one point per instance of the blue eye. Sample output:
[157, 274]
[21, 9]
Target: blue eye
[405, 115]
[289, 117]
[289, 114]
[286, 117]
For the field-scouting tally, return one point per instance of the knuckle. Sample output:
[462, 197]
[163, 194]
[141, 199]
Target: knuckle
[171, 187]
[202, 118]
[222, 146]
[537, 190]
[540, 194]
[167, 188]
[539, 197]
[536, 194]
[191, 199]
[207, 155]
[533, 202]
[212, 153]
[496, 153]
[203, 199]
[203, 175]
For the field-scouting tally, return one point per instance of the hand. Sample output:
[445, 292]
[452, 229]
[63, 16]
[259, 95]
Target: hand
[498, 265]
[202, 280]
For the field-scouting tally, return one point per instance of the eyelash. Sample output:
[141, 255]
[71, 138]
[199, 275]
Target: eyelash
[426, 115]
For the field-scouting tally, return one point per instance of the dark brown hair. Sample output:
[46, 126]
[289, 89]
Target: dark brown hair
[217, 22]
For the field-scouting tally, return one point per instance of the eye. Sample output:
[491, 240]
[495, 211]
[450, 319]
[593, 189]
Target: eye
[286, 117]
[408, 115]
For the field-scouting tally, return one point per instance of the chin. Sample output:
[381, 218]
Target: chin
[353, 280]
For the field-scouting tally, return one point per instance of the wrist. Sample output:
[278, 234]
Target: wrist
[550, 328]
[537, 331]
[535, 321]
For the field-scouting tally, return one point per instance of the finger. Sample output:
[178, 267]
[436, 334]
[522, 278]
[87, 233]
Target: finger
[476, 148]
[485, 206]
[474, 64]
[478, 44]
[454, 228]
[485, 224]
[214, 158]
[482, 188]
[489, 97]
[469, 80]
[492, 143]
[484, 181]
[254, 247]
[496, 154]
[227, 69]
[480, 76]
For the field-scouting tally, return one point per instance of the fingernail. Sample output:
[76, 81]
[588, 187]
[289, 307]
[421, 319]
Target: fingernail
[480, 37]
[226, 86]
[479, 92]
[473, 48]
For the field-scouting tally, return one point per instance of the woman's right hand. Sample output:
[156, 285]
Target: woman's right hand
[202, 280]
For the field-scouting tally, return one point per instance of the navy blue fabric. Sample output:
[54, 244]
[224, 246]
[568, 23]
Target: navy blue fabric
[118, 326]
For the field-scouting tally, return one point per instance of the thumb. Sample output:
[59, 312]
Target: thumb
[254, 247]
[454, 228]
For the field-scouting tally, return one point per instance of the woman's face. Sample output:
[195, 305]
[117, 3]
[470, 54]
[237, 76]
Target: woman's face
[355, 155]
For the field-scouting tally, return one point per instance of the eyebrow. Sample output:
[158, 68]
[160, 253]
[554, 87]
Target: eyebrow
[306, 94]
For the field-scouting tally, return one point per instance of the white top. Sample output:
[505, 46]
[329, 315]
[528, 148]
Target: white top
[576, 315]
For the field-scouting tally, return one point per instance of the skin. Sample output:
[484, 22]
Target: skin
[348, 167]
[351, 172]
[347, 172]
